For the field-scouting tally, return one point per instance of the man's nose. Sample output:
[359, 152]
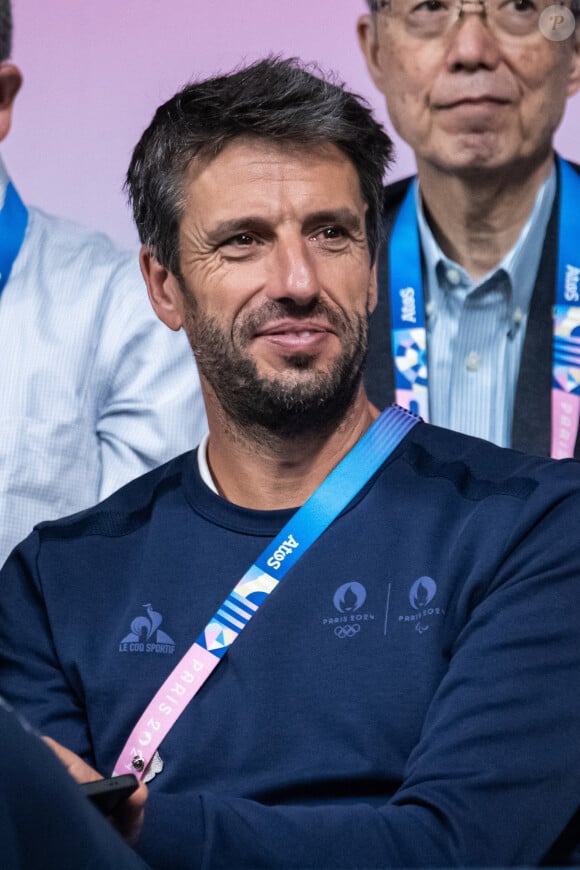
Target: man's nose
[293, 274]
[472, 42]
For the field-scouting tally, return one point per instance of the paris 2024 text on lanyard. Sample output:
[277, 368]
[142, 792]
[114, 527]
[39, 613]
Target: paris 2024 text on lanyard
[410, 341]
[305, 527]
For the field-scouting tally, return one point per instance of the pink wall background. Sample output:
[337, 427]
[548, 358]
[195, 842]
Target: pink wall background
[95, 71]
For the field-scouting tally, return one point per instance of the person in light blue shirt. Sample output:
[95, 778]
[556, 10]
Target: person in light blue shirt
[94, 391]
[477, 90]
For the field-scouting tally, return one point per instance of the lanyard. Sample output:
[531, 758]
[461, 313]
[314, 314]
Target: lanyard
[282, 554]
[409, 336]
[566, 349]
[13, 221]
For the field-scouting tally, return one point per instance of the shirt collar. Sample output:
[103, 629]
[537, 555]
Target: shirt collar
[520, 264]
[203, 466]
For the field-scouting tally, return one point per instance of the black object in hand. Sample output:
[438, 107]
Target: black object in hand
[107, 794]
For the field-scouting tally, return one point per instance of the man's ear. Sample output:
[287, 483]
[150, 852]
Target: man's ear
[373, 287]
[368, 40]
[574, 75]
[10, 81]
[165, 294]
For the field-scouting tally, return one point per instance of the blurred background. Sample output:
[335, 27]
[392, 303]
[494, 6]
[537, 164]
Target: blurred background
[94, 72]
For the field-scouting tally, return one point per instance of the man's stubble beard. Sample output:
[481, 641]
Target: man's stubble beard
[291, 404]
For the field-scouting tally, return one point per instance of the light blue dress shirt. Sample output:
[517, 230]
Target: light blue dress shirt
[94, 390]
[476, 331]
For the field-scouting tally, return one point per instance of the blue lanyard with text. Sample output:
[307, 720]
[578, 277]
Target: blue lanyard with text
[304, 528]
[409, 336]
[13, 222]
[566, 349]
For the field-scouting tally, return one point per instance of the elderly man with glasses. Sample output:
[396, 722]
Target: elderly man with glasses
[476, 324]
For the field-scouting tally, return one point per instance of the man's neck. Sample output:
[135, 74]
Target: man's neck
[275, 473]
[477, 219]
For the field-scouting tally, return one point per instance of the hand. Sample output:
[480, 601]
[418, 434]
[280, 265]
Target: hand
[128, 817]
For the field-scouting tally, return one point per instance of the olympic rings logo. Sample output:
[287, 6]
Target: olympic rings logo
[347, 630]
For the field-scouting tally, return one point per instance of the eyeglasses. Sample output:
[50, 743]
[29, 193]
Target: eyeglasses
[433, 18]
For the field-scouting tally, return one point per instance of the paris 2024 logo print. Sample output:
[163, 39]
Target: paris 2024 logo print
[421, 597]
[348, 601]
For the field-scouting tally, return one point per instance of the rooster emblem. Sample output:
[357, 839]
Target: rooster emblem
[143, 628]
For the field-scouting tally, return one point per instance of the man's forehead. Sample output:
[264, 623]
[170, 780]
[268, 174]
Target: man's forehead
[250, 152]
[249, 175]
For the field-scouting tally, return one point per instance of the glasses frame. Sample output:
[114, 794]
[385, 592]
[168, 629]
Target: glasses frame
[479, 8]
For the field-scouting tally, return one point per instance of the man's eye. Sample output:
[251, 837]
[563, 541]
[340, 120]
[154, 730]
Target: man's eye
[242, 240]
[430, 6]
[330, 234]
[523, 6]
[241, 246]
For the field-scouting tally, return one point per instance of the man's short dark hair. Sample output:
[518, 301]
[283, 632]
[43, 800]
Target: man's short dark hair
[5, 29]
[274, 100]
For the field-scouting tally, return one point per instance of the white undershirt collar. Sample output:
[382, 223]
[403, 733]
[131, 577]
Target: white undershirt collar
[203, 466]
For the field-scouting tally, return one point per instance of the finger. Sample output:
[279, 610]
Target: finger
[129, 815]
[77, 768]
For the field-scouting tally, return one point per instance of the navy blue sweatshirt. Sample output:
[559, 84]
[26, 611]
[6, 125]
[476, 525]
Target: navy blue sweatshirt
[407, 697]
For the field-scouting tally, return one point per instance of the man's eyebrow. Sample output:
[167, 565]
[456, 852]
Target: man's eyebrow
[344, 216]
[254, 223]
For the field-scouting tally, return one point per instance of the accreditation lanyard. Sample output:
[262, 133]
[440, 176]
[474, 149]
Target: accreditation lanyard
[259, 581]
[13, 222]
[409, 335]
[566, 348]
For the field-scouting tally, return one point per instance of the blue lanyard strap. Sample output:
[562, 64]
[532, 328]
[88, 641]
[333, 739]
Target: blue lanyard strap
[13, 222]
[282, 554]
[313, 518]
[409, 336]
[566, 348]
[568, 286]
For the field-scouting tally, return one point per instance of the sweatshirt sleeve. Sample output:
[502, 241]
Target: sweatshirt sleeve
[31, 676]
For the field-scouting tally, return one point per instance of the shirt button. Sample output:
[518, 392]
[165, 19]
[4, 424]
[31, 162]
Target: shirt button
[472, 361]
[453, 276]
[518, 315]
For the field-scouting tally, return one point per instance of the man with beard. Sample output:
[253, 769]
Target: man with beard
[401, 648]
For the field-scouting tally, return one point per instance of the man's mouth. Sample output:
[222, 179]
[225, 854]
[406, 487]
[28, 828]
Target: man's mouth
[483, 100]
[293, 327]
[291, 334]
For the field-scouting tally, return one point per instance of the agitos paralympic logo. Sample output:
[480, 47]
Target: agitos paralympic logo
[421, 596]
